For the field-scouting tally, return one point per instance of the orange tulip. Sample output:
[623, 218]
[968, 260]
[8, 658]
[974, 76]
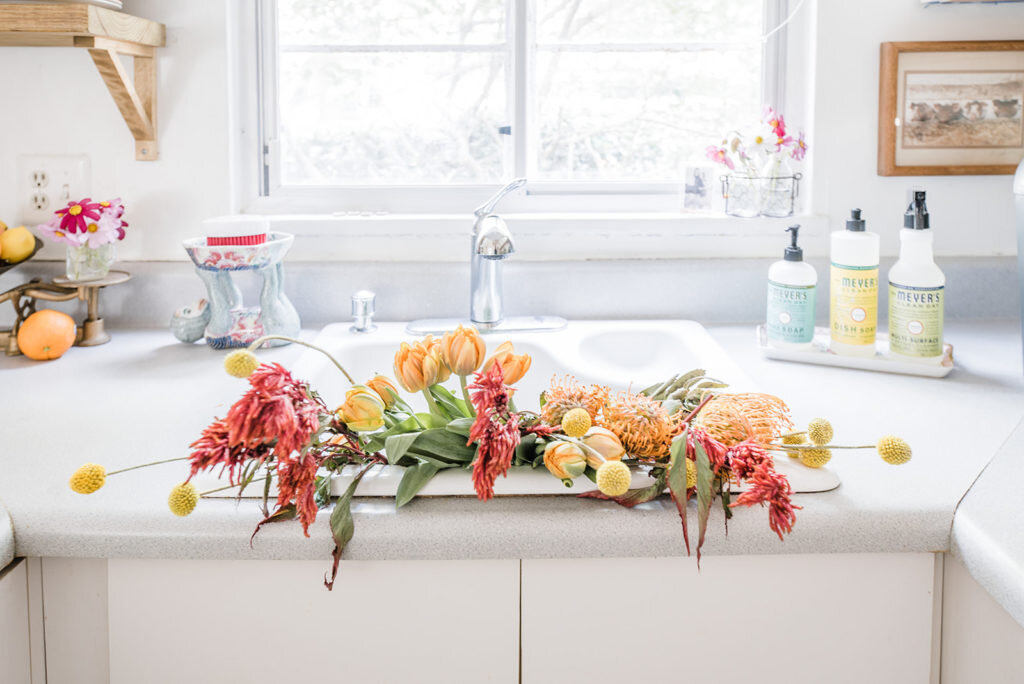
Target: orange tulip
[604, 442]
[565, 460]
[418, 366]
[443, 371]
[382, 385]
[463, 350]
[512, 366]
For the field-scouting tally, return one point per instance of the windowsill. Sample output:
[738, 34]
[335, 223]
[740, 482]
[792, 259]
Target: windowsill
[546, 237]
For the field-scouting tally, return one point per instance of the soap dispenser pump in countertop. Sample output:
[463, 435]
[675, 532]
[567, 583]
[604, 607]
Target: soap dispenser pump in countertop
[853, 289]
[916, 290]
[792, 285]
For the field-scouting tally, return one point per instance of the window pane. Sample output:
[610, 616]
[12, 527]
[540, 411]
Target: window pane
[639, 116]
[394, 22]
[392, 118]
[646, 21]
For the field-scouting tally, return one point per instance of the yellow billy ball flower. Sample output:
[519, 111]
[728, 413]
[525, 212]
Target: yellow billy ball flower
[576, 422]
[183, 499]
[88, 478]
[893, 450]
[691, 474]
[819, 431]
[241, 363]
[815, 458]
[613, 478]
[794, 438]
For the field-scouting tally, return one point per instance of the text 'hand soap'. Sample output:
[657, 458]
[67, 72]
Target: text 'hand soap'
[792, 286]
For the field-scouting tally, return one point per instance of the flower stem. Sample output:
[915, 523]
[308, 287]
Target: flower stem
[811, 447]
[465, 395]
[257, 343]
[146, 465]
[434, 410]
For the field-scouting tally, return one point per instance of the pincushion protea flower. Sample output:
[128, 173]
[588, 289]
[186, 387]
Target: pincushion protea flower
[496, 430]
[642, 424]
[733, 418]
[566, 394]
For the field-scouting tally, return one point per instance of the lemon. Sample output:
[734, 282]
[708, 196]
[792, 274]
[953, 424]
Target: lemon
[3, 226]
[16, 244]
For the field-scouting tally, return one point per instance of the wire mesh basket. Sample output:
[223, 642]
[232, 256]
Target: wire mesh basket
[751, 196]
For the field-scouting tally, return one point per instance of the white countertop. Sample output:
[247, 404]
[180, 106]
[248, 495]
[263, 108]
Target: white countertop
[145, 397]
[6, 538]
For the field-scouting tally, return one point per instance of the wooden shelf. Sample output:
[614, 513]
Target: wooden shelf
[106, 34]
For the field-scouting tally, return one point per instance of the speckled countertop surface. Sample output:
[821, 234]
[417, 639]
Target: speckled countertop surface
[987, 534]
[144, 397]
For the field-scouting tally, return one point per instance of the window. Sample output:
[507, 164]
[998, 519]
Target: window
[363, 97]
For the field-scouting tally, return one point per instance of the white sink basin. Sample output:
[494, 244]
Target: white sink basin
[620, 354]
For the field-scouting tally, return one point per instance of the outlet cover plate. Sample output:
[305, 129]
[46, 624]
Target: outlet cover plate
[66, 178]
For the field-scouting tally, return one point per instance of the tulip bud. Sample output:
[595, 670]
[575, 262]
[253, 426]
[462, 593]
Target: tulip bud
[363, 410]
[385, 389]
[416, 366]
[604, 442]
[565, 460]
[513, 367]
[463, 350]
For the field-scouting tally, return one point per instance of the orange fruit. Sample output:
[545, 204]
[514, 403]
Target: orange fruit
[46, 335]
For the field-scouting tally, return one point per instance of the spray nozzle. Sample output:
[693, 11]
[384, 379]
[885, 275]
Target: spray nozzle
[916, 216]
[793, 252]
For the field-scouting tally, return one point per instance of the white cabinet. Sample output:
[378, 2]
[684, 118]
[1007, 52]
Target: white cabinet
[981, 642]
[15, 652]
[273, 621]
[795, 618]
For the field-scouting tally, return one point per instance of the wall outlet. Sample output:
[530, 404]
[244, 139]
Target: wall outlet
[47, 182]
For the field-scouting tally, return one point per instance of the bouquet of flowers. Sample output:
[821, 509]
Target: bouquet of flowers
[764, 152]
[688, 433]
[90, 230]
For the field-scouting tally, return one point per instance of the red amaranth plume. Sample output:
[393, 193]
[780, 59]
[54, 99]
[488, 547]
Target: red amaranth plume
[496, 429]
[768, 486]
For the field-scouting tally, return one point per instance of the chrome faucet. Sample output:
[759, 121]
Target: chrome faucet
[490, 243]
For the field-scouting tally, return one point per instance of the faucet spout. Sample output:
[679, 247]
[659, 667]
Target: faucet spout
[491, 242]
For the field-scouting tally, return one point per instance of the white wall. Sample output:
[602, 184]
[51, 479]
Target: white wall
[56, 103]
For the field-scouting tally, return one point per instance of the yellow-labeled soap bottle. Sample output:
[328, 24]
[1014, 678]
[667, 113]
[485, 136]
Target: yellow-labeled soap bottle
[853, 289]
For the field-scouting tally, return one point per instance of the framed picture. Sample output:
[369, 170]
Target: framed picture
[951, 108]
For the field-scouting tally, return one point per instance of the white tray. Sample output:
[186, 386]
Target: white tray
[521, 481]
[881, 362]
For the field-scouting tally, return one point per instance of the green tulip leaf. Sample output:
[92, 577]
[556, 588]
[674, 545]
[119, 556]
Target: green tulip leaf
[461, 426]
[414, 479]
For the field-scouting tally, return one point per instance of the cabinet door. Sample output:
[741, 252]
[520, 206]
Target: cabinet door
[273, 621]
[15, 656]
[789, 619]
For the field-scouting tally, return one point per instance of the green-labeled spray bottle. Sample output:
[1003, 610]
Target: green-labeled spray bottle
[916, 290]
[792, 286]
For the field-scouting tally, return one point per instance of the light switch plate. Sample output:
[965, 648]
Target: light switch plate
[47, 182]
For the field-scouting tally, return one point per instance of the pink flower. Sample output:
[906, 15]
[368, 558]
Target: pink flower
[102, 231]
[718, 154]
[768, 113]
[783, 142]
[74, 216]
[800, 148]
[115, 209]
[52, 230]
[777, 124]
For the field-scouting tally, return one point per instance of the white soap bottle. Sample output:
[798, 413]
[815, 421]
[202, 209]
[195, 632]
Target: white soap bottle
[853, 289]
[916, 291]
[792, 287]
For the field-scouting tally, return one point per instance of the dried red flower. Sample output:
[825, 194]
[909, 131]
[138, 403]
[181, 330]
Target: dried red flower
[496, 430]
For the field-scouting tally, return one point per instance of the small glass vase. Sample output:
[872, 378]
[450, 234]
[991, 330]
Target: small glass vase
[779, 186]
[742, 195]
[89, 263]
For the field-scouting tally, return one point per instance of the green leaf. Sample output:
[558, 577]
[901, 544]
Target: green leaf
[414, 479]
[446, 403]
[342, 525]
[431, 421]
[672, 405]
[377, 440]
[441, 443]
[461, 426]
[543, 399]
[525, 452]
[591, 474]
[396, 445]
[705, 480]
[677, 482]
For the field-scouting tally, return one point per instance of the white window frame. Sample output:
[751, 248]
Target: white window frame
[253, 190]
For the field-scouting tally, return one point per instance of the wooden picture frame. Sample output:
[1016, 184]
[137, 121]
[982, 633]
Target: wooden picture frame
[938, 131]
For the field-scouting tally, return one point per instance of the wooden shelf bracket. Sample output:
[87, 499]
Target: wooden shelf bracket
[135, 99]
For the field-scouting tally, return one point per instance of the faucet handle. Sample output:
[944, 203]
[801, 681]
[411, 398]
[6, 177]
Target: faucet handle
[362, 311]
[488, 206]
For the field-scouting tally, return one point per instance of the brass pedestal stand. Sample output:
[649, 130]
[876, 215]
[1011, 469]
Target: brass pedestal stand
[23, 297]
